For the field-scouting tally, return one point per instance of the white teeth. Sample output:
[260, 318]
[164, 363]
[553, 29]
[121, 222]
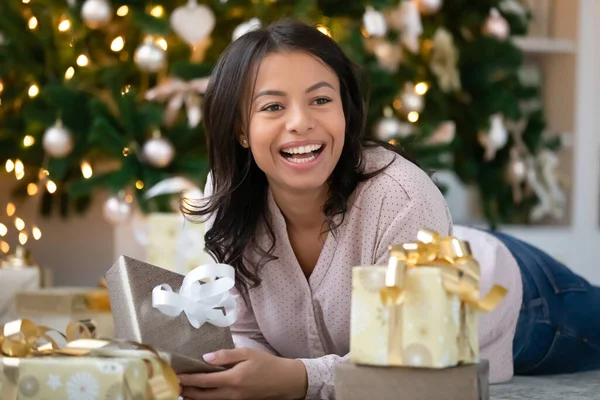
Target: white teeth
[302, 160]
[302, 149]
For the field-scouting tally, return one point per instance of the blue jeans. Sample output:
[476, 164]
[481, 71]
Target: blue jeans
[559, 323]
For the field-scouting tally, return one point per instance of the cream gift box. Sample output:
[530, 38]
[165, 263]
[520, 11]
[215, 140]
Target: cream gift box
[421, 309]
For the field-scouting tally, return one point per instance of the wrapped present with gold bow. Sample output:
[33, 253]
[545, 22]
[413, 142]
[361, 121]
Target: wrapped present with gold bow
[421, 310]
[35, 366]
[186, 316]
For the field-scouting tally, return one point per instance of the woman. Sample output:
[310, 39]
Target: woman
[296, 200]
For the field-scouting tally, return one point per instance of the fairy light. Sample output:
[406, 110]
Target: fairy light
[33, 23]
[3, 230]
[82, 60]
[26, 1]
[69, 73]
[4, 247]
[117, 44]
[413, 116]
[19, 224]
[10, 165]
[157, 11]
[34, 90]
[23, 238]
[51, 186]
[10, 209]
[64, 25]
[123, 11]
[37, 233]
[125, 89]
[19, 169]
[32, 189]
[162, 43]
[86, 170]
[421, 88]
[324, 30]
[28, 141]
[1, 86]
[139, 185]
[129, 198]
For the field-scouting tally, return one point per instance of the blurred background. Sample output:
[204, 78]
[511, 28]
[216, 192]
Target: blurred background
[101, 123]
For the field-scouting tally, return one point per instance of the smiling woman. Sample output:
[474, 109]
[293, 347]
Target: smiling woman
[295, 200]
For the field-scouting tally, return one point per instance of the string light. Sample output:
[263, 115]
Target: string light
[421, 88]
[123, 11]
[125, 89]
[413, 116]
[128, 198]
[19, 224]
[33, 90]
[86, 170]
[28, 141]
[19, 169]
[69, 73]
[1, 86]
[23, 238]
[4, 247]
[162, 43]
[157, 11]
[82, 60]
[117, 44]
[10, 165]
[139, 185]
[3, 230]
[10, 209]
[37, 233]
[64, 25]
[51, 187]
[32, 189]
[324, 30]
[33, 23]
[25, 1]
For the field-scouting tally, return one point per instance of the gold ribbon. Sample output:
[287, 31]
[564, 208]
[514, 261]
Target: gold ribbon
[25, 339]
[460, 276]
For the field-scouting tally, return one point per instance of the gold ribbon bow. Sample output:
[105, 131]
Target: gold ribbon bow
[24, 339]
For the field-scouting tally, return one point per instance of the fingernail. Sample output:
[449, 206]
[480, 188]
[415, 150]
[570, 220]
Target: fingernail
[208, 357]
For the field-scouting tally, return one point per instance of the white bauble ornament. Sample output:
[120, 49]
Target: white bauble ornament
[428, 7]
[57, 140]
[245, 27]
[374, 22]
[149, 56]
[389, 56]
[158, 152]
[116, 210]
[389, 127]
[495, 25]
[495, 139]
[96, 13]
[193, 23]
[410, 100]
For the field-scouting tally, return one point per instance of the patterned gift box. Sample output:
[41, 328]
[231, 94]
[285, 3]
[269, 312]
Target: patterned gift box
[421, 309]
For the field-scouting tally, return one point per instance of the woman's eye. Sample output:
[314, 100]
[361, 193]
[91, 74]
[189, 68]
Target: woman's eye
[322, 100]
[273, 107]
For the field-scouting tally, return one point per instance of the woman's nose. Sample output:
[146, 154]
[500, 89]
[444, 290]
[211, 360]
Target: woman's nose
[299, 119]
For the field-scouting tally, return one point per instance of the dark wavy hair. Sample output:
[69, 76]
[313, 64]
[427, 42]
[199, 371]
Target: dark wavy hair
[238, 205]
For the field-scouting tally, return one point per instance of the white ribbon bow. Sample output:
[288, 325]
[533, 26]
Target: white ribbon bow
[200, 302]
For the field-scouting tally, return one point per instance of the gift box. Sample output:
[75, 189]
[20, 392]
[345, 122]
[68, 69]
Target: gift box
[82, 369]
[57, 306]
[171, 312]
[464, 382]
[13, 280]
[422, 309]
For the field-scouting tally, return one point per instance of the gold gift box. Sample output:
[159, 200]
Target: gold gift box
[421, 309]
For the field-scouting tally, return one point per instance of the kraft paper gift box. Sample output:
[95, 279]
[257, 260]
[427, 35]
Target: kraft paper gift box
[420, 310]
[32, 368]
[131, 284]
[464, 382]
[57, 306]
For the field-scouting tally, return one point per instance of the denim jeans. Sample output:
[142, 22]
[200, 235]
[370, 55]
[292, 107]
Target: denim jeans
[558, 330]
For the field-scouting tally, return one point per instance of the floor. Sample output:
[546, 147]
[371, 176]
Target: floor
[582, 386]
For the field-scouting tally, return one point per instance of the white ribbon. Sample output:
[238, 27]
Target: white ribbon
[201, 303]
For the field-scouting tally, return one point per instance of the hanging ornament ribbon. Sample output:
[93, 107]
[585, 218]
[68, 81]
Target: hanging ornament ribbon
[176, 93]
[210, 302]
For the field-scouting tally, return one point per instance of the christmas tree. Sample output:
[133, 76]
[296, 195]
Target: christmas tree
[106, 94]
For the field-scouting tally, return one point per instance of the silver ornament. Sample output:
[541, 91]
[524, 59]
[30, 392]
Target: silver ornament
[149, 56]
[158, 152]
[495, 25]
[116, 210]
[57, 140]
[410, 100]
[96, 13]
[428, 7]
[389, 127]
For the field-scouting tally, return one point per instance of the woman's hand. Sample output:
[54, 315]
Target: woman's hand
[254, 375]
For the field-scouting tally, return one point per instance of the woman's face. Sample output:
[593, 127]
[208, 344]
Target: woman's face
[296, 123]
